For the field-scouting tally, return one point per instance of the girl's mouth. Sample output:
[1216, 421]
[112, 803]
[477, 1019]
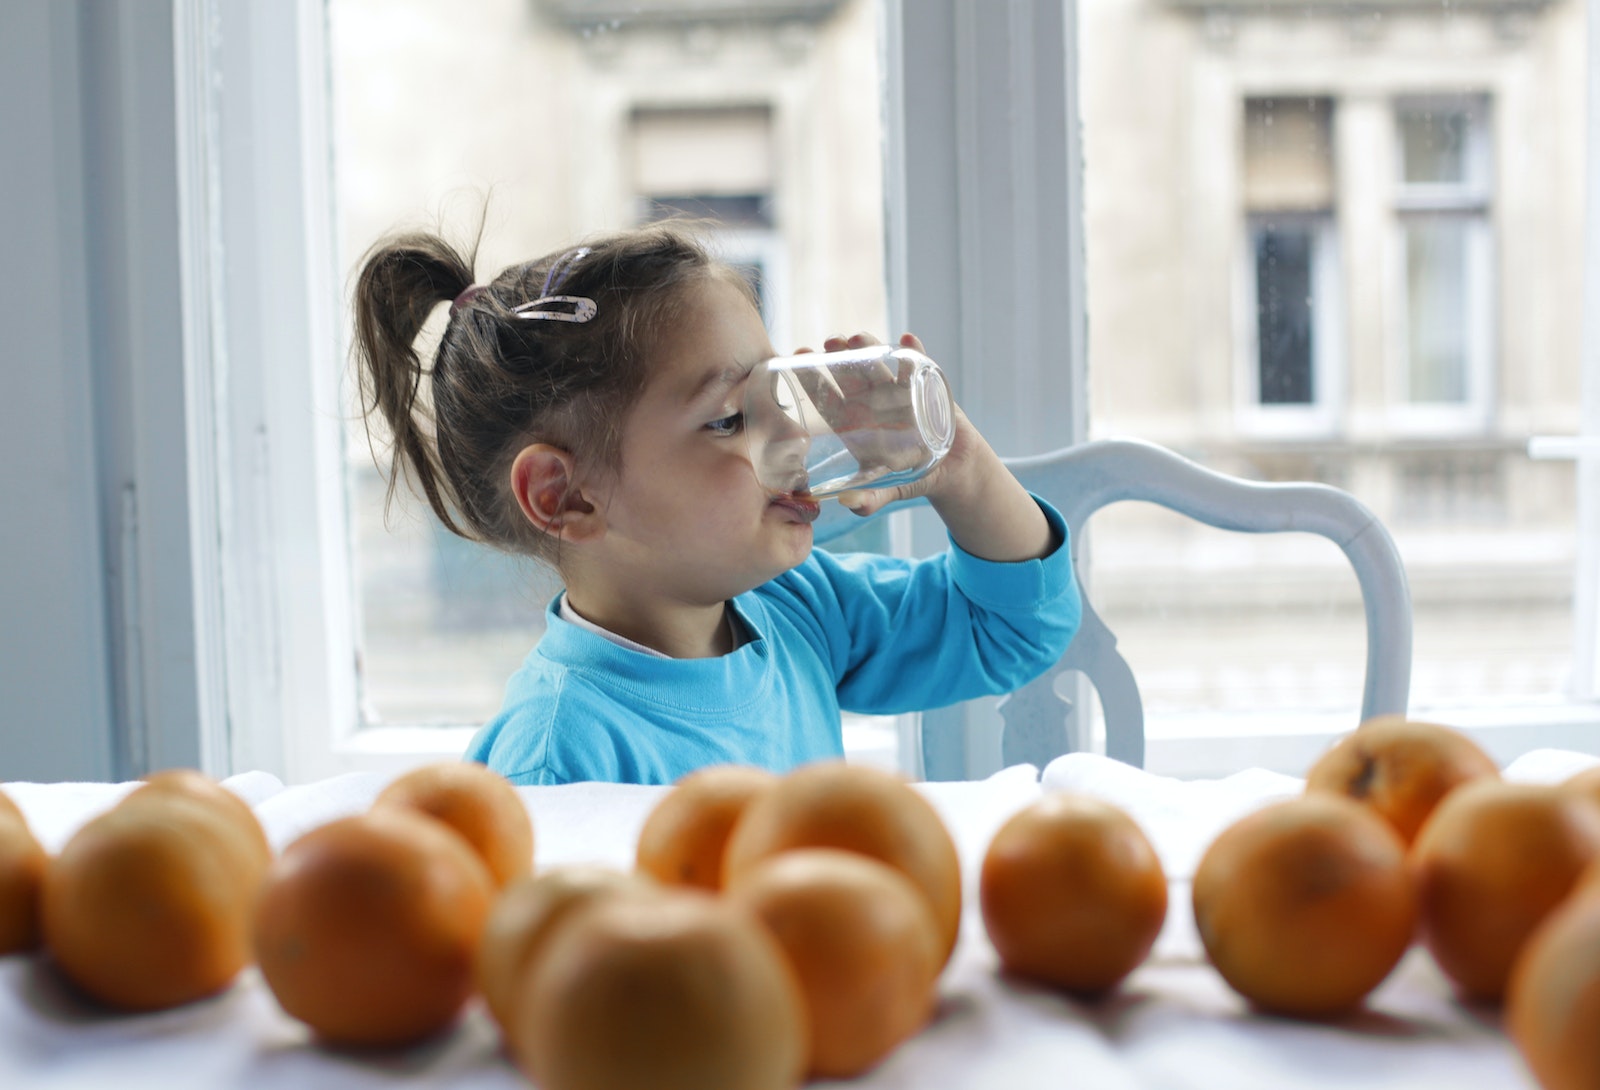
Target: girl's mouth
[802, 506]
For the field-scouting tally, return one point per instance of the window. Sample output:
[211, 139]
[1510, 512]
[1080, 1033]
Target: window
[1291, 282]
[1446, 301]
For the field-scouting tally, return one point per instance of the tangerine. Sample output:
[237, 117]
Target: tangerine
[677, 992]
[1305, 906]
[683, 839]
[1401, 768]
[863, 945]
[22, 866]
[367, 927]
[1553, 999]
[1490, 864]
[148, 905]
[1072, 893]
[856, 808]
[476, 802]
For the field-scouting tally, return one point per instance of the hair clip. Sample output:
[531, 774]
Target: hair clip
[467, 296]
[582, 310]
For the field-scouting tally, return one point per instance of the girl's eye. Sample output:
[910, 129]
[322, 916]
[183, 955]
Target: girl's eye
[728, 425]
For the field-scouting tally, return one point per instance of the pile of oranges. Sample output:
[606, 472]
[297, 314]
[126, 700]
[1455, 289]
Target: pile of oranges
[779, 928]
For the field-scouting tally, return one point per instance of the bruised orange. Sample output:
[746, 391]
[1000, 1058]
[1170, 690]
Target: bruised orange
[856, 808]
[1401, 768]
[148, 905]
[1305, 906]
[524, 917]
[684, 836]
[22, 866]
[368, 925]
[1490, 864]
[1072, 893]
[1553, 999]
[682, 991]
[863, 945]
[478, 803]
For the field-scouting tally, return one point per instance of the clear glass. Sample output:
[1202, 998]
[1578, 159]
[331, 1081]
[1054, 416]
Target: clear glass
[823, 423]
[1437, 329]
[1434, 146]
[541, 124]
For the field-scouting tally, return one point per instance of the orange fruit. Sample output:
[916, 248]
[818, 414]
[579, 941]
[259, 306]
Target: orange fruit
[524, 917]
[1491, 863]
[148, 905]
[1553, 999]
[683, 838]
[367, 927]
[208, 792]
[22, 866]
[1072, 893]
[1305, 906]
[1585, 784]
[856, 808]
[863, 945]
[476, 802]
[1401, 768]
[677, 992]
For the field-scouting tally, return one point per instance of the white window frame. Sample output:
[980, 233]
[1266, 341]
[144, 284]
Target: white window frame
[1320, 418]
[1472, 200]
[985, 252]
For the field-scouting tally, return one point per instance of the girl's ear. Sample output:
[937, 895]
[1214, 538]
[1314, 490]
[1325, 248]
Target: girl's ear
[542, 479]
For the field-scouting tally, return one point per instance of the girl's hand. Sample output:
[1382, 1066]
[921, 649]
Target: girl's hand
[986, 509]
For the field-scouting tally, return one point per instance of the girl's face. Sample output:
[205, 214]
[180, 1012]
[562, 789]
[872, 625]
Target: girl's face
[686, 517]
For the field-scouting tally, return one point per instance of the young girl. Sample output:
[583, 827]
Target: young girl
[584, 409]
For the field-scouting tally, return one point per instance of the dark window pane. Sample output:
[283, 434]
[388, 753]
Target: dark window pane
[1283, 314]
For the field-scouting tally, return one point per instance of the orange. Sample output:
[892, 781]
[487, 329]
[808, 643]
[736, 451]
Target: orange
[857, 808]
[677, 992]
[683, 839]
[207, 791]
[524, 917]
[1401, 768]
[862, 943]
[148, 905]
[1072, 893]
[1305, 906]
[368, 925]
[22, 867]
[476, 802]
[1585, 784]
[1553, 1000]
[1491, 863]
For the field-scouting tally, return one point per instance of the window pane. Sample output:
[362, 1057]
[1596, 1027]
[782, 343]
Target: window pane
[1284, 257]
[1444, 331]
[1436, 309]
[549, 120]
[1434, 145]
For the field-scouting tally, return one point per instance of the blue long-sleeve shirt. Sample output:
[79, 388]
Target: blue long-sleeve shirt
[858, 632]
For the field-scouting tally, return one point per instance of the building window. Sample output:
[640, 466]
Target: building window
[1290, 285]
[1445, 258]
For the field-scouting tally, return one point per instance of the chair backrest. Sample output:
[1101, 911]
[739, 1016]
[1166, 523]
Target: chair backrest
[1039, 724]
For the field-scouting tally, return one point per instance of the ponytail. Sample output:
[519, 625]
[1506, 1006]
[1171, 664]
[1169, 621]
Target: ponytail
[402, 280]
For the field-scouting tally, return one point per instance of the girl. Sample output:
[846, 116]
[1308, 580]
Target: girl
[584, 409]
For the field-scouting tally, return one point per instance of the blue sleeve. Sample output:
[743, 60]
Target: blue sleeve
[904, 635]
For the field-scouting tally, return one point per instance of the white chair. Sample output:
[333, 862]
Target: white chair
[1039, 724]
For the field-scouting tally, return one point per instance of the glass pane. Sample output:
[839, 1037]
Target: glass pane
[1181, 170]
[1436, 309]
[1434, 145]
[1284, 260]
[548, 123]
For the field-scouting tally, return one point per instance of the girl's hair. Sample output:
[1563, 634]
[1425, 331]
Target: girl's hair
[499, 381]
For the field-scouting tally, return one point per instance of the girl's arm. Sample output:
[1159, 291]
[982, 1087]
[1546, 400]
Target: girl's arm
[985, 508]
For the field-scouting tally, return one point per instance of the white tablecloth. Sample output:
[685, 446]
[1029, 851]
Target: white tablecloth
[1173, 1026]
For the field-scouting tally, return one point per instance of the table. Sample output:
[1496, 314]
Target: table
[1173, 1026]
